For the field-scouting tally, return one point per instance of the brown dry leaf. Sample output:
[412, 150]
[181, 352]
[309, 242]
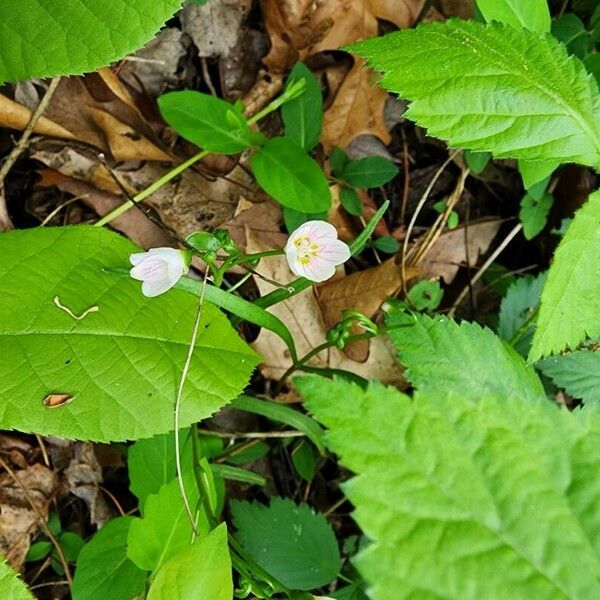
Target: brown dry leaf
[357, 109]
[18, 520]
[302, 315]
[449, 253]
[263, 221]
[15, 116]
[84, 476]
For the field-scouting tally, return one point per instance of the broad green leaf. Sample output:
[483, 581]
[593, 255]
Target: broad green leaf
[11, 587]
[493, 89]
[441, 355]
[570, 307]
[121, 365]
[201, 571]
[164, 528]
[368, 172]
[463, 500]
[207, 121]
[151, 462]
[535, 171]
[103, 569]
[577, 372]
[293, 543]
[303, 116]
[517, 308]
[42, 38]
[290, 176]
[534, 214]
[530, 14]
[592, 64]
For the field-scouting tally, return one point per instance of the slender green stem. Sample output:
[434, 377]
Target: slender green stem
[117, 212]
[249, 257]
[200, 478]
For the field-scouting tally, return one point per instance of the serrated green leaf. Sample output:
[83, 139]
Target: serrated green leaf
[103, 569]
[201, 571]
[368, 172]
[42, 38]
[576, 372]
[517, 307]
[467, 500]
[207, 121]
[121, 364]
[290, 176]
[165, 528]
[440, 355]
[492, 88]
[533, 14]
[292, 542]
[151, 462]
[11, 586]
[570, 306]
[534, 214]
[303, 116]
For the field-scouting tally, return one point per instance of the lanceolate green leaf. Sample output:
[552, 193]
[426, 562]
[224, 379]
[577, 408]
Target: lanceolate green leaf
[103, 569]
[570, 307]
[452, 492]
[207, 121]
[492, 88]
[201, 571]
[120, 365]
[577, 372]
[441, 355]
[10, 584]
[292, 177]
[530, 14]
[41, 38]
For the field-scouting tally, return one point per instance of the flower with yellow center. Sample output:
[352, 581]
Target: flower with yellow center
[313, 251]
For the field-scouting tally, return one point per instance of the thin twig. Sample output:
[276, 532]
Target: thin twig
[184, 372]
[11, 159]
[252, 435]
[113, 499]
[44, 525]
[207, 77]
[60, 207]
[406, 169]
[485, 267]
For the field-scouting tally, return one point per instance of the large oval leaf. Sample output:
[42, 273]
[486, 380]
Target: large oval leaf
[120, 365]
[41, 38]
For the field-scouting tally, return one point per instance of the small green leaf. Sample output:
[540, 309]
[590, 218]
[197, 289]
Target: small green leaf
[533, 14]
[386, 244]
[441, 355]
[11, 586]
[426, 295]
[70, 37]
[249, 454]
[338, 160]
[576, 372]
[517, 307]
[164, 528]
[201, 571]
[571, 31]
[546, 107]
[534, 214]
[71, 544]
[237, 474]
[453, 220]
[117, 363]
[294, 218]
[570, 307]
[351, 201]
[477, 161]
[303, 116]
[103, 569]
[207, 121]
[368, 172]
[151, 462]
[592, 64]
[290, 176]
[533, 172]
[304, 459]
[293, 543]
[38, 551]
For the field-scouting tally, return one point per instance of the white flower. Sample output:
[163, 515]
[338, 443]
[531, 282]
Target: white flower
[159, 269]
[313, 251]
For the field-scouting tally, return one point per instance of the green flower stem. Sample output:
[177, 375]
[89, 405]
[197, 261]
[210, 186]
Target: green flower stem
[200, 478]
[117, 212]
[292, 92]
